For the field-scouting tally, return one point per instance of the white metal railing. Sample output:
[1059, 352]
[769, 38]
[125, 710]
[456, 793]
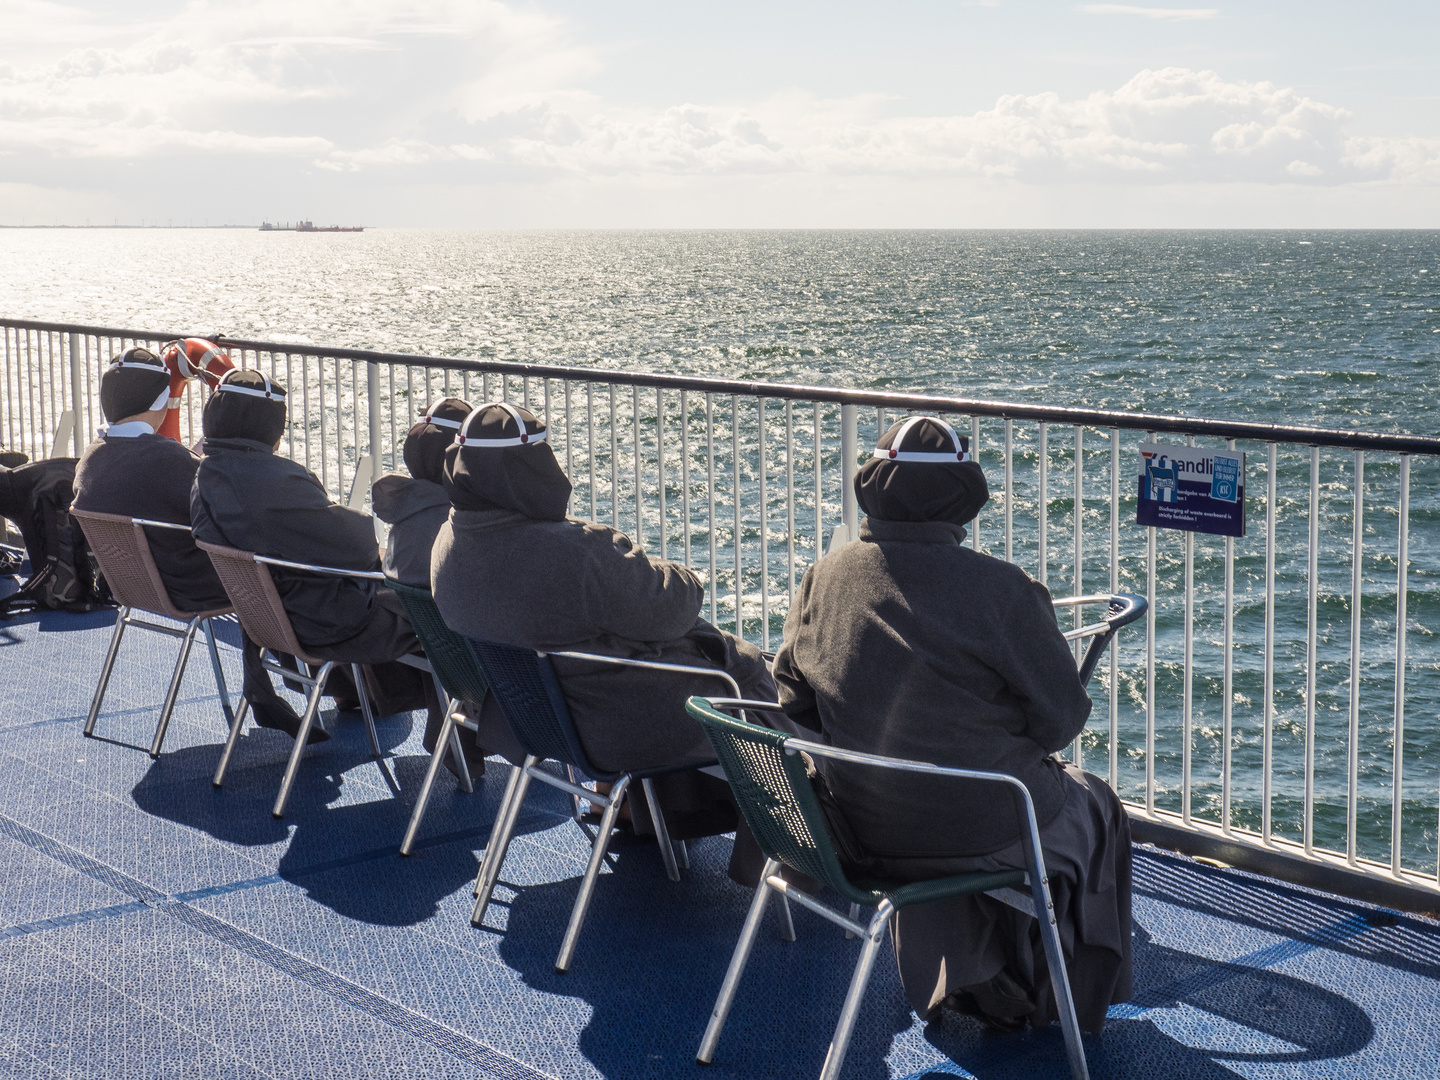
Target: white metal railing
[1266, 701]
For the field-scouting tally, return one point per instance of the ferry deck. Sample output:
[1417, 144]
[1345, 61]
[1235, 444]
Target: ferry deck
[154, 925]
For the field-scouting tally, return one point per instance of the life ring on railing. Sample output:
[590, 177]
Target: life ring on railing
[189, 359]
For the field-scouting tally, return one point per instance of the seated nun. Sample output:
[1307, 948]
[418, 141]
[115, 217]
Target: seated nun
[511, 567]
[908, 644]
[249, 497]
[131, 470]
[415, 507]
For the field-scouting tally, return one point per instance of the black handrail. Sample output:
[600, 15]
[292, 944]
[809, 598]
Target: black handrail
[1057, 414]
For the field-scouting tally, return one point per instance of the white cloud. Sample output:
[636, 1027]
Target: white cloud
[1167, 14]
[468, 91]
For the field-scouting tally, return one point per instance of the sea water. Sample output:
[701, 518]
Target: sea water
[1331, 329]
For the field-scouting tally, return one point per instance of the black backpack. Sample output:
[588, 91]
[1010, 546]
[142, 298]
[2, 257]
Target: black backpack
[63, 572]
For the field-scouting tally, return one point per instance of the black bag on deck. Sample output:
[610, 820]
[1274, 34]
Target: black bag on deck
[63, 572]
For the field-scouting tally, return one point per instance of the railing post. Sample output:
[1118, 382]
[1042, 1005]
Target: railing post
[849, 466]
[78, 431]
[372, 390]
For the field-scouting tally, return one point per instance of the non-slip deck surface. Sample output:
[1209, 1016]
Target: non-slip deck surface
[152, 926]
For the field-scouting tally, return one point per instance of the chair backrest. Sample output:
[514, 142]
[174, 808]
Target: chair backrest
[257, 602]
[524, 684]
[123, 552]
[449, 654]
[775, 797]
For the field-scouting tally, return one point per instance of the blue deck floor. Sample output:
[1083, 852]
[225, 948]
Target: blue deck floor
[152, 926]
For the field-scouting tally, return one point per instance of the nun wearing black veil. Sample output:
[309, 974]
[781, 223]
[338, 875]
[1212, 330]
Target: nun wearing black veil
[249, 497]
[511, 567]
[906, 643]
[415, 507]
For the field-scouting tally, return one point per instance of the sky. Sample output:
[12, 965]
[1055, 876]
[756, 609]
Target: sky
[648, 114]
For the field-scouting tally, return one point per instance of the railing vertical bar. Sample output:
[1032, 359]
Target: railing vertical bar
[735, 466]
[819, 489]
[1312, 650]
[849, 449]
[590, 442]
[9, 414]
[685, 470]
[77, 429]
[660, 468]
[764, 529]
[1009, 489]
[484, 385]
[710, 491]
[1227, 707]
[569, 435]
[1150, 663]
[614, 465]
[1402, 585]
[1267, 753]
[639, 480]
[1043, 506]
[975, 456]
[790, 500]
[1357, 600]
[1187, 697]
[1078, 543]
[1114, 689]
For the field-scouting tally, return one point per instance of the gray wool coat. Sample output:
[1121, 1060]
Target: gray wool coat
[907, 644]
[577, 585]
[414, 510]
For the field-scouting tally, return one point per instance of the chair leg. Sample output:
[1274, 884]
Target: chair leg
[1060, 981]
[174, 692]
[235, 730]
[219, 674]
[787, 924]
[457, 751]
[365, 708]
[662, 832]
[302, 737]
[592, 871]
[500, 834]
[442, 745]
[854, 917]
[121, 621]
[835, 1057]
[738, 960]
[682, 853]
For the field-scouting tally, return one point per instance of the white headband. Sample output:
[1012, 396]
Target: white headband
[123, 363]
[269, 393]
[524, 439]
[431, 418]
[935, 456]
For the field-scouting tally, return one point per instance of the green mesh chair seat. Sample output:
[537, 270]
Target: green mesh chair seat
[460, 678]
[449, 654]
[777, 800]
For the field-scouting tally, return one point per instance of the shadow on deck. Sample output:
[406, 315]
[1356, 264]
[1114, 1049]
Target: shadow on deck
[153, 926]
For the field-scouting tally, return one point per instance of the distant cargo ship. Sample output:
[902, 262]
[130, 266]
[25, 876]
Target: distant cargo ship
[309, 226]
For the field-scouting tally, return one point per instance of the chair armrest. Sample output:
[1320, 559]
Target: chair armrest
[159, 524]
[652, 665]
[333, 571]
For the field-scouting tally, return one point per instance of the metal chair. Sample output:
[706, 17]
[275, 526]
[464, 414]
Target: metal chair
[774, 793]
[459, 678]
[247, 580]
[123, 552]
[524, 683]
[777, 801]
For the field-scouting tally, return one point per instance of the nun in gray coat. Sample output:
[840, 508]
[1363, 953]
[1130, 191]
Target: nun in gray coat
[511, 567]
[907, 643]
[415, 507]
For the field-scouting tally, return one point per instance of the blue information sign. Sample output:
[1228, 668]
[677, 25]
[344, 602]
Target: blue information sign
[1192, 488]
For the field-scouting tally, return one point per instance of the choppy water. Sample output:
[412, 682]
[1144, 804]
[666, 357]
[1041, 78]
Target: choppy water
[1335, 329]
